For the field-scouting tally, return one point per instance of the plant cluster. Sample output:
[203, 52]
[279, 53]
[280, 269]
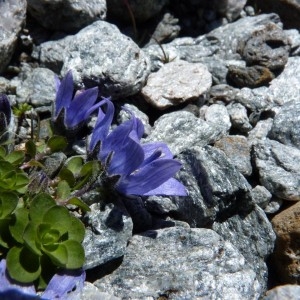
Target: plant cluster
[39, 235]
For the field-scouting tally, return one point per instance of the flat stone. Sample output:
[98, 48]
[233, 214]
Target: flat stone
[176, 82]
[67, 15]
[279, 168]
[181, 263]
[238, 117]
[283, 292]
[286, 225]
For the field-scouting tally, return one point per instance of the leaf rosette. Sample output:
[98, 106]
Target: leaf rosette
[52, 235]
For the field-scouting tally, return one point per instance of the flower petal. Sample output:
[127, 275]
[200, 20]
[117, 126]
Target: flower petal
[64, 93]
[65, 285]
[150, 148]
[149, 177]
[171, 187]
[78, 108]
[103, 123]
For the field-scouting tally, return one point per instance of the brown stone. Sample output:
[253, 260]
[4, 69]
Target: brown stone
[286, 257]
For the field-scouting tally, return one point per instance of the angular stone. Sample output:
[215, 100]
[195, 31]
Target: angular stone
[279, 168]
[237, 149]
[286, 125]
[176, 82]
[107, 233]
[13, 15]
[286, 259]
[238, 117]
[181, 263]
[118, 68]
[283, 292]
[261, 196]
[67, 15]
[217, 115]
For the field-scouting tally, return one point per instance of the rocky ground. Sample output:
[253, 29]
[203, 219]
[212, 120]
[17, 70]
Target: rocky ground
[218, 81]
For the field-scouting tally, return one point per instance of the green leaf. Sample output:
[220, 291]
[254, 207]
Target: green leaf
[57, 143]
[63, 190]
[8, 202]
[2, 152]
[5, 236]
[21, 182]
[76, 231]
[15, 157]
[18, 224]
[67, 175]
[74, 164]
[76, 256]
[50, 237]
[31, 238]
[90, 168]
[40, 206]
[59, 255]
[59, 218]
[30, 148]
[35, 163]
[5, 167]
[76, 201]
[23, 265]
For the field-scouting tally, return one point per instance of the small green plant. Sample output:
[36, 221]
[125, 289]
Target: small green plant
[20, 109]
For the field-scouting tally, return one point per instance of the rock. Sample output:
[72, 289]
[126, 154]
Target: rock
[279, 168]
[230, 9]
[217, 115]
[176, 82]
[252, 77]
[222, 92]
[118, 68]
[286, 253]
[36, 87]
[238, 117]
[268, 47]
[283, 292]
[108, 230]
[237, 149]
[261, 196]
[53, 163]
[13, 15]
[182, 130]
[294, 38]
[260, 131]
[67, 15]
[216, 190]
[286, 125]
[180, 263]
[253, 235]
[142, 10]
[91, 292]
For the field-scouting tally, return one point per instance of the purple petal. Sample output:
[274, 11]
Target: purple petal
[171, 187]
[126, 159]
[103, 123]
[64, 94]
[138, 126]
[65, 285]
[6, 283]
[80, 105]
[149, 177]
[150, 148]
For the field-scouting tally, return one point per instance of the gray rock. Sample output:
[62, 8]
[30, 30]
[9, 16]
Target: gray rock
[109, 60]
[274, 206]
[216, 190]
[294, 37]
[53, 163]
[67, 15]
[283, 292]
[13, 15]
[181, 263]
[231, 9]
[284, 88]
[279, 168]
[286, 125]
[238, 117]
[36, 87]
[91, 292]
[261, 196]
[181, 130]
[260, 131]
[222, 92]
[108, 231]
[176, 82]
[142, 10]
[217, 115]
[237, 149]
[253, 235]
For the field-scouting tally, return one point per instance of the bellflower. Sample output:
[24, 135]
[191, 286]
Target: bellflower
[75, 109]
[5, 113]
[64, 285]
[142, 169]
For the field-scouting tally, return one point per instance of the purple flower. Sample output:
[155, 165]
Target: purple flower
[142, 169]
[75, 109]
[5, 112]
[64, 285]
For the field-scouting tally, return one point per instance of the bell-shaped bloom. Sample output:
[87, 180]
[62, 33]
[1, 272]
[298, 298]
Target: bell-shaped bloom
[64, 285]
[75, 109]
[142, 169]
[5, 113]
